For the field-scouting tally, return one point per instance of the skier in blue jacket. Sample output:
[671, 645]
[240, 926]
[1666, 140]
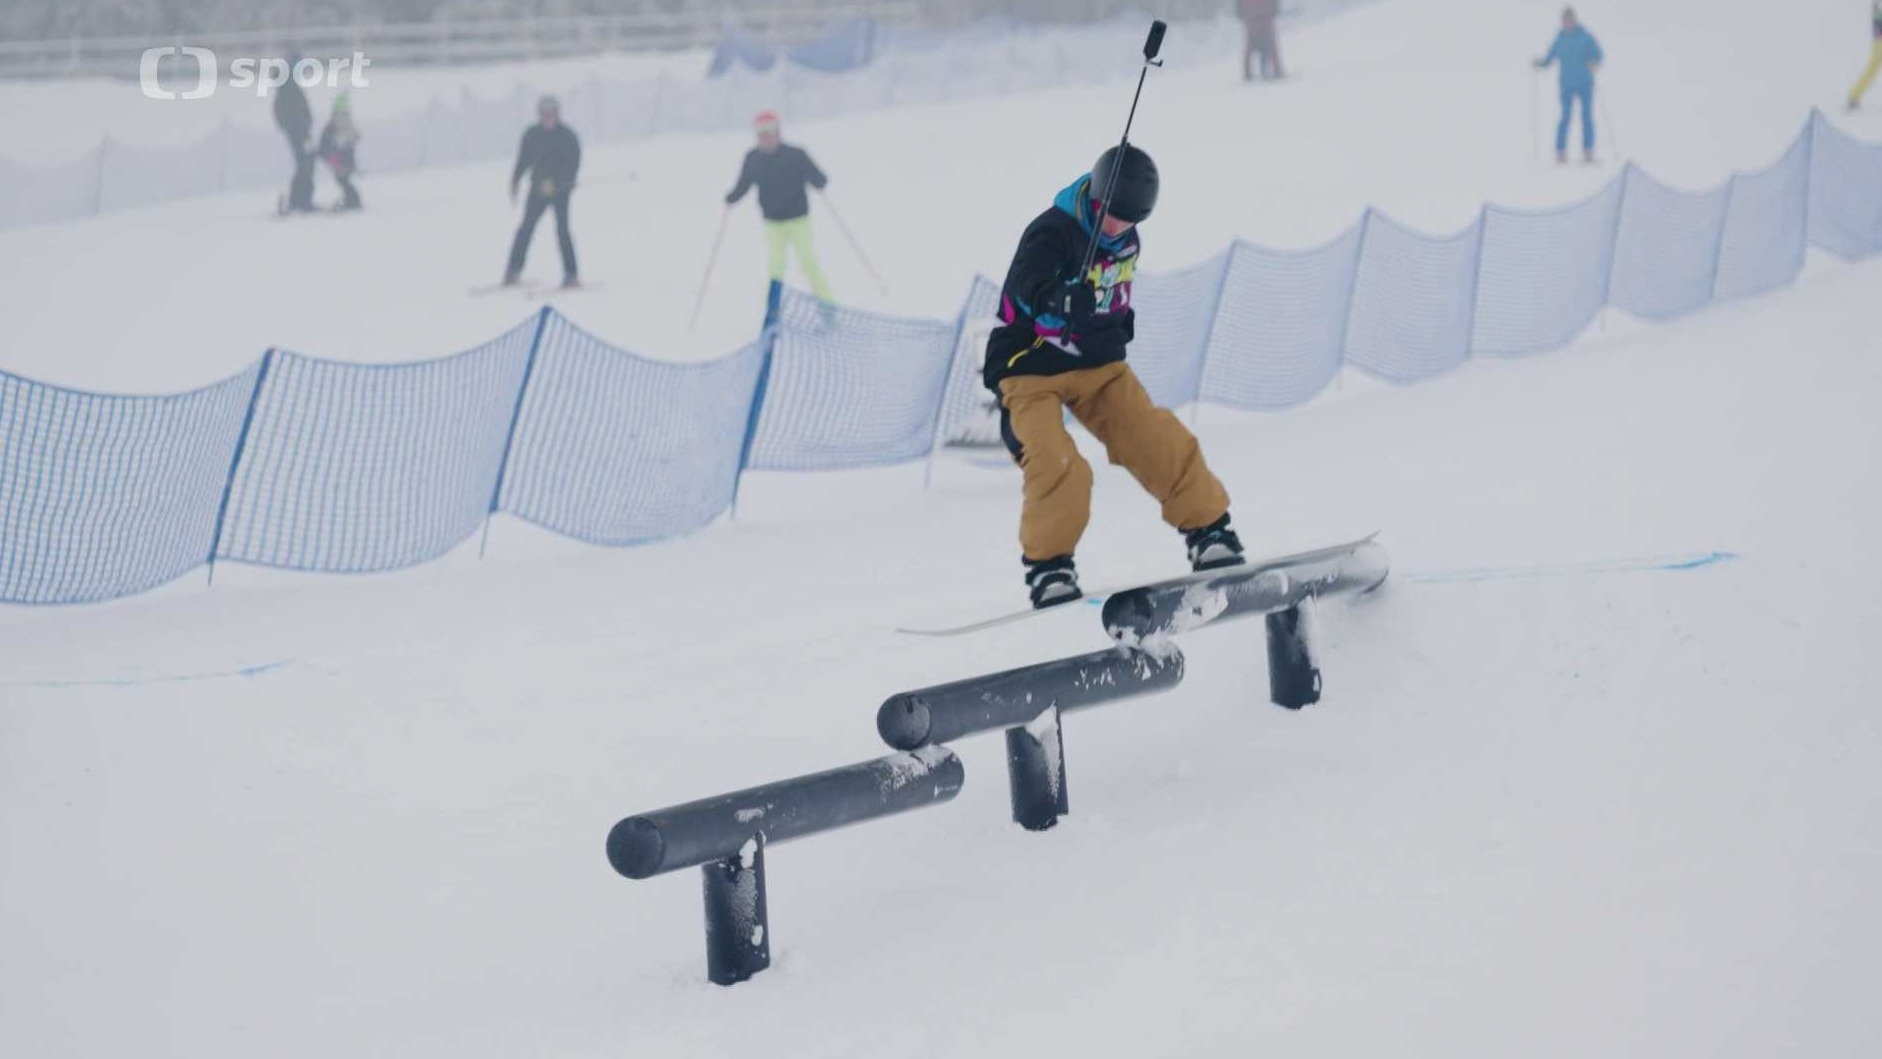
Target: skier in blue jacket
[1580, 55]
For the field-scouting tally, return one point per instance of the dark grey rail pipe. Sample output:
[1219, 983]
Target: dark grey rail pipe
[727, 836]
[947, 712]
[1028, 703]
[1132, 615]
[710, 829]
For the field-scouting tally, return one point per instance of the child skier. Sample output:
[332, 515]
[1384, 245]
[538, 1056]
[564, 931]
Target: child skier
[781, 171]
[1875, 59]
[337, 141]
[1062, 345]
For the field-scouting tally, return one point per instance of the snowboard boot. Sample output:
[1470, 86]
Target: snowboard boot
[1052, 581]
[1213, 546]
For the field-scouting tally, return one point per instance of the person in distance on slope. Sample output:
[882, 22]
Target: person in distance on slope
[551, 154]
[1259, 39]
[337, 141]
[1580, 55]
[295, 119]
[1875, 59]
[1061, 344]
[781, 172]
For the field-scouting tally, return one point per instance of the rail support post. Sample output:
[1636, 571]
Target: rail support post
[738, 933]
[1293, 678]
[1035, 766]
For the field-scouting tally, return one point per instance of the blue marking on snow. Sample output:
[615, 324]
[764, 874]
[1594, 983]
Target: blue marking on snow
[129, 682]
[1649, 564]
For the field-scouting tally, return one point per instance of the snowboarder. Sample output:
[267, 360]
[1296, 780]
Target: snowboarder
[1062, 345]
[551, 154]
[1260, 40]
[781, 172]
[1580, 55]
[1875, 59]
[337, 141]
[296, 121]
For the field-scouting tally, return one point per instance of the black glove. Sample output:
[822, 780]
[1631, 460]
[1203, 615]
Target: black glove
[1078, 303]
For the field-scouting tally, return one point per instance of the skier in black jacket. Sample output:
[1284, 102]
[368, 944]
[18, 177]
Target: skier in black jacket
[1062, 345]
[551, 154]
[296, 121]
[781, 172]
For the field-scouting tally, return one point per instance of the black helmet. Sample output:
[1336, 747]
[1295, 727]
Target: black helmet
[1135, 193]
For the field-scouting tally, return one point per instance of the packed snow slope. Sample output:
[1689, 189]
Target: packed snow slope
[1600, 814]
[1542, 811]
[1420, 107]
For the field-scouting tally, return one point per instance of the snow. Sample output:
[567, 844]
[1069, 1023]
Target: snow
[1609, 810]
[44, 122]
[1045, 731]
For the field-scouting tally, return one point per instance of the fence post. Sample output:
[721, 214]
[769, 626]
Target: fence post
[1810, 178]
[1208, 332]
[235, 461]
[516, 416]
[954, 359]
[1352, 288]
[1718, 247]
[1614, 244]
[1476, 278]
[768, 338]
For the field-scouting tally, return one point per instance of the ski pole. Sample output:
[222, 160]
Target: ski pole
[1152, 45]
[711, 259]
[854, 245]
[1535, 123]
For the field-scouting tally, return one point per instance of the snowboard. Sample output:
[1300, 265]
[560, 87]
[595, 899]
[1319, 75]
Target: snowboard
[1185, 603]
[1138, 593]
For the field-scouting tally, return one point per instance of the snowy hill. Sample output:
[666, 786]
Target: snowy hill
[1544, 809]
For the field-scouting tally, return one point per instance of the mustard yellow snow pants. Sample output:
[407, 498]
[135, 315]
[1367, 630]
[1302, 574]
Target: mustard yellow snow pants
[1145, 440]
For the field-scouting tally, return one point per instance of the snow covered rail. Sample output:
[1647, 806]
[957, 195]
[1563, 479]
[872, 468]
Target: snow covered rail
[1146, 617]
[1027, 702]
[727, 835]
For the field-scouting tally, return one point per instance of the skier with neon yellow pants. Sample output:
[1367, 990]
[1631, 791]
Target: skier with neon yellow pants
[1875, 59]
[782, 172]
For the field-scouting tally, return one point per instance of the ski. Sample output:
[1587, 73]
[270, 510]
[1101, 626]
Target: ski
[524, 288]
[541, 292]
[1103, 597]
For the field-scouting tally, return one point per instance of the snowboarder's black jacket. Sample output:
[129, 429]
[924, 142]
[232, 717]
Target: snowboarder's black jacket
[551, 156]
[292, 113]
[1035, 339]
[781, 176]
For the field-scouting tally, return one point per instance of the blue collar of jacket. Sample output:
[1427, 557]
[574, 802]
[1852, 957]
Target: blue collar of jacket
[1075, 202]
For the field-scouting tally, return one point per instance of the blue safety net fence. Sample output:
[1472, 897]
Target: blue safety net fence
[311, 464]
[849, 389]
